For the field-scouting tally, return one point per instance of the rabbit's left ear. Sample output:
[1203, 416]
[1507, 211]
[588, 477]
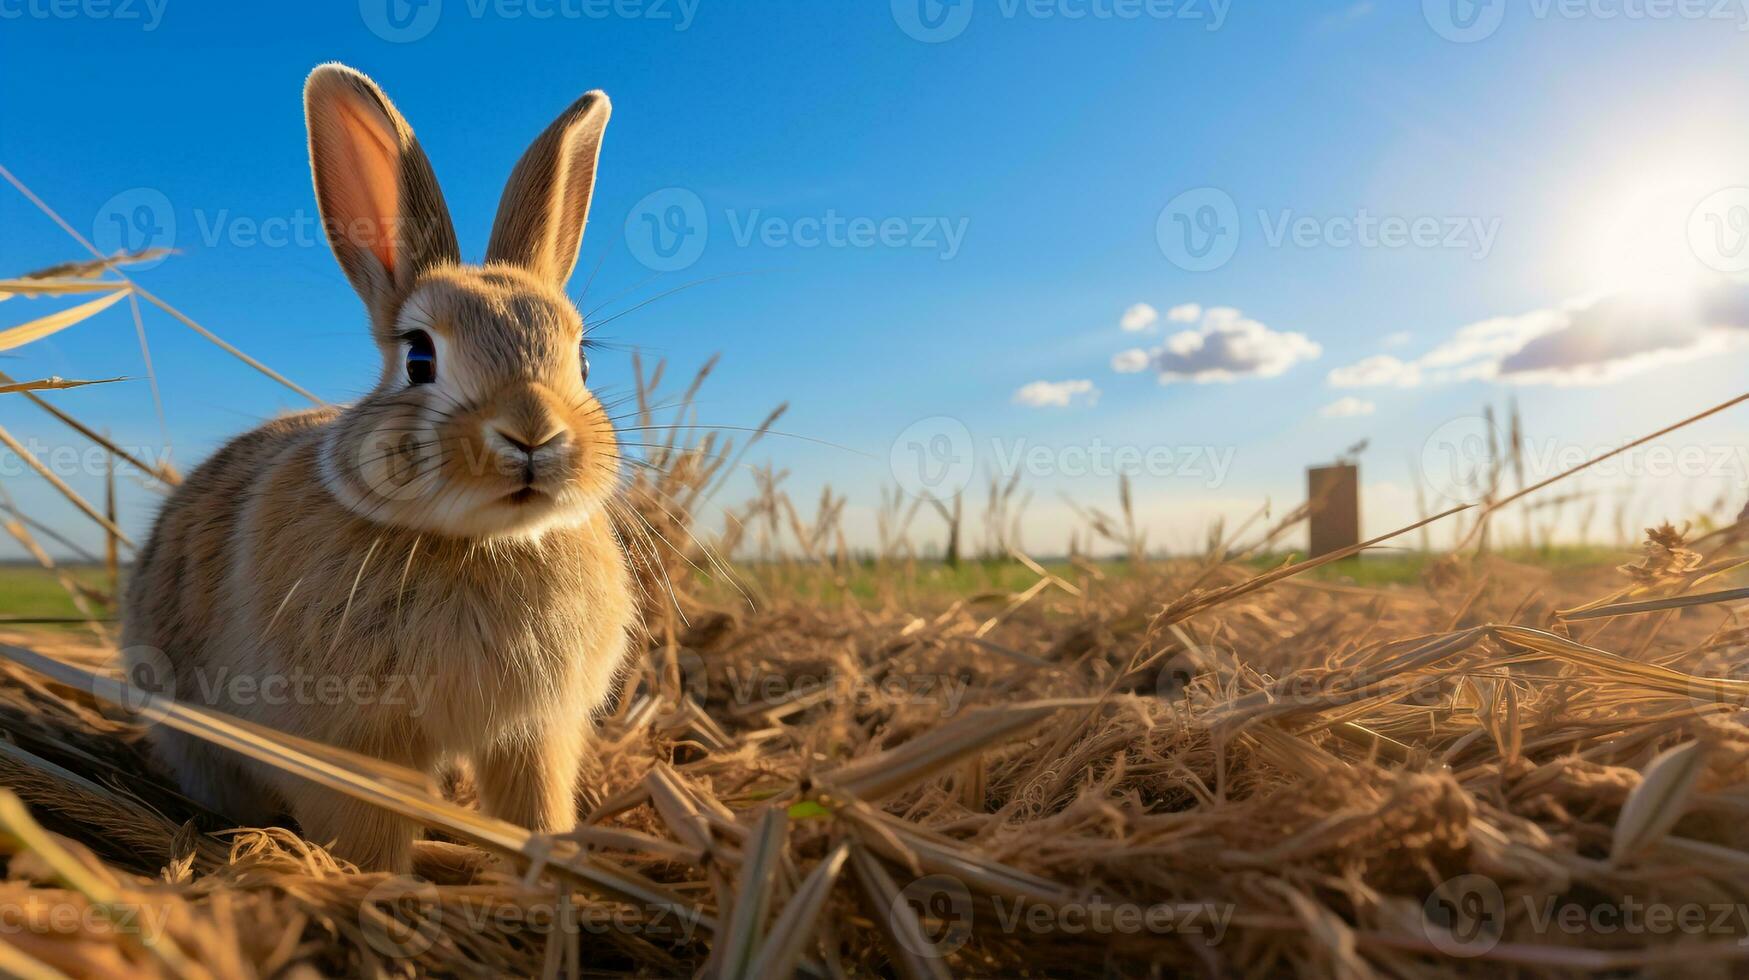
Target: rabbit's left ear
[545, 204]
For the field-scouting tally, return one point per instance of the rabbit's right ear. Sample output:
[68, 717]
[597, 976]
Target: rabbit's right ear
[381, 208]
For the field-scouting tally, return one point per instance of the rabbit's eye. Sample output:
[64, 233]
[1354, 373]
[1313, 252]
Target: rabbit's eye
[421, 358]
[583, 358]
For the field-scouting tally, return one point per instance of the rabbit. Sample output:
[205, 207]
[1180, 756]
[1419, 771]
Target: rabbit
[430, 573]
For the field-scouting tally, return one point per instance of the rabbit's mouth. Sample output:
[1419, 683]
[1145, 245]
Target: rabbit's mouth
[523, 497]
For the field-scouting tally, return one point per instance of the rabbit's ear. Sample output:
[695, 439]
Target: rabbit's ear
[381, 208]
[541, 215]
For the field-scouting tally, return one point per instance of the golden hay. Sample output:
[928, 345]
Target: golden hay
[1286, 780]
[1133, 769]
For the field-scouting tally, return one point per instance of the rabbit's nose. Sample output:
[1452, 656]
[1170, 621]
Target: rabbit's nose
[518, 438]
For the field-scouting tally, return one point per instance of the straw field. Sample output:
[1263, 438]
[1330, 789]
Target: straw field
[836, 764]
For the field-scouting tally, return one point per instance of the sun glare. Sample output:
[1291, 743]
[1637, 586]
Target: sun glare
[1637, 240]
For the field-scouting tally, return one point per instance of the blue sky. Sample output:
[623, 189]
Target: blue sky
[920, 229]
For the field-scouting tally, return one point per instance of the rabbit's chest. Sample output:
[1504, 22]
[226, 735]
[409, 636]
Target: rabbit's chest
[466, 657]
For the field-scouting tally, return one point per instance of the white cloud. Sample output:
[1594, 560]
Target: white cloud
[1585, 342]
[1056, 394]
[1398, 339]
[1225, 347]
[1377, 371]
[1139, 318]
[1347, 407]
[1132, 361]
[1185, 313]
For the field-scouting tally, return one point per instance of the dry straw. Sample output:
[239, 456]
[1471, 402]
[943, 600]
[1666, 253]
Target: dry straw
[1099, 769]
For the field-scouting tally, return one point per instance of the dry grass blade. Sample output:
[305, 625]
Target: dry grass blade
[678, 809]
[1658, 802]
[112, 261]
[907, 845]
[15, 962]
[55, 322]
[373, 781]
[61, 485]
[52, 384]
[53, 287]
[20, 832]
[1652, 676]
[91, 268]
[753, 895]
[794, 928]
[1495, 505]
[1652, 605]
[162, 473]
[1195, 602]
[897, 920]
[938, 751]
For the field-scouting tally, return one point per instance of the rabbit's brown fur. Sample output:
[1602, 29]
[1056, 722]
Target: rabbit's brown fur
[431, 572]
